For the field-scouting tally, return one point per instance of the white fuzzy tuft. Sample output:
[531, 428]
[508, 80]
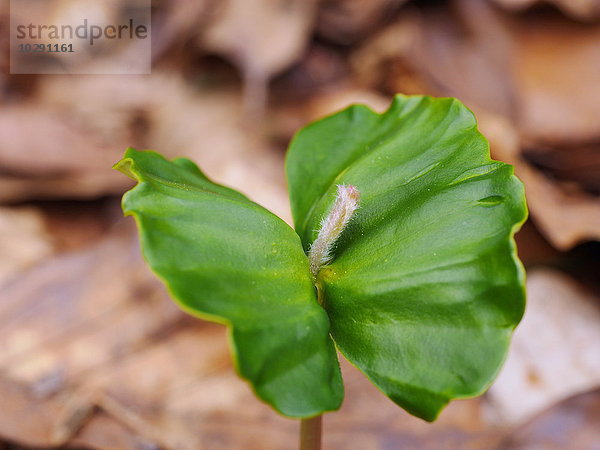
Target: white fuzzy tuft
[332, 225]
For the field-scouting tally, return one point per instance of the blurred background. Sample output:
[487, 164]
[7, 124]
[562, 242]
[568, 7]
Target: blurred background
[92, 352]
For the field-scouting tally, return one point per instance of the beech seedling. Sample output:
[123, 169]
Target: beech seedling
[402, 257]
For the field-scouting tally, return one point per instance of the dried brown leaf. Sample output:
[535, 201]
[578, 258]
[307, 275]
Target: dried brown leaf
[24, 241]
[557, 68]
[261, 37]
[566, 216]
[573, 423]
[580, 9]
[346, 21]
[460, 50]
[555, 350]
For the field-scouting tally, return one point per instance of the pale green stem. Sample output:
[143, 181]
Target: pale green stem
[319, 254]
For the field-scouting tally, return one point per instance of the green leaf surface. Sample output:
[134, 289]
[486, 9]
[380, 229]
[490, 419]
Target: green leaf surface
[227, 259]
[424, 289]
